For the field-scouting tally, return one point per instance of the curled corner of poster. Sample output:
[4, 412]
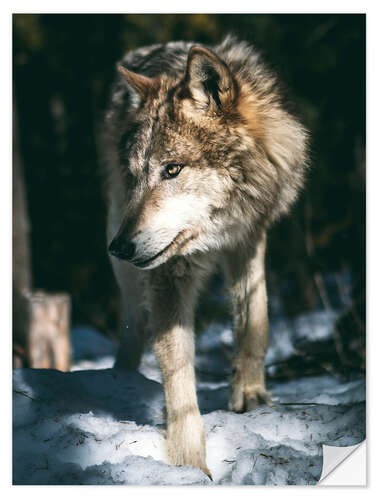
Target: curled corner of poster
[344, 466]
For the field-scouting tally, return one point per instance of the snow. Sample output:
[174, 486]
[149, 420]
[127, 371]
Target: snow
[91, 350]
[97, 425]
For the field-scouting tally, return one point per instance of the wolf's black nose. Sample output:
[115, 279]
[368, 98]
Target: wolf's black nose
[121, 249]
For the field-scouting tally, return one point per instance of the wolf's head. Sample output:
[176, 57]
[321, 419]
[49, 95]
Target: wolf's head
[207, 158]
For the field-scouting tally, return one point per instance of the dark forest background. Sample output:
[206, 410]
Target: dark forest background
[62, 72]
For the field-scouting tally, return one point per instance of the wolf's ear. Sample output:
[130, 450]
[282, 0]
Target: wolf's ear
[209, 79]
[142, 85]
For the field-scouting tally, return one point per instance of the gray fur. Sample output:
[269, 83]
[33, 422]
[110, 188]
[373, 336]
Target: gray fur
[218, 115]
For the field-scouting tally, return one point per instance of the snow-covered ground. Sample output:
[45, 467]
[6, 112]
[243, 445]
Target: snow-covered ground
[97, 425]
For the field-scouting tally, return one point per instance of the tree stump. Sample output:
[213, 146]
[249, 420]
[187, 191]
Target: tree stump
[48, 343]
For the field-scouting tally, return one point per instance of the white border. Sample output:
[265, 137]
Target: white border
[198, 6]
[7, 7]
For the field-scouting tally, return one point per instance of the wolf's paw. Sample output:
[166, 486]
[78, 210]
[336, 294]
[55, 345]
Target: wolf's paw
[247, 398]
[186, 443]
[190, 456]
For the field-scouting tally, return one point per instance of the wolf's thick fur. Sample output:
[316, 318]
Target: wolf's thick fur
[202, 158]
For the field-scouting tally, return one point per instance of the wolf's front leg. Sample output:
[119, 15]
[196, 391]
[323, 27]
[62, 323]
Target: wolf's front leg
[172, 320]
[246, 277]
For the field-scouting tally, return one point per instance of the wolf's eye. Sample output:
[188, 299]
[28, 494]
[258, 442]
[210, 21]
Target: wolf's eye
[173, 169]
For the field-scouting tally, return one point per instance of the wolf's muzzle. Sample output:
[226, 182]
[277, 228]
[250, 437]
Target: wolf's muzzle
[122, 249]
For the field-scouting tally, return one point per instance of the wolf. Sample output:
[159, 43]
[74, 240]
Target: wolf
[202, 157]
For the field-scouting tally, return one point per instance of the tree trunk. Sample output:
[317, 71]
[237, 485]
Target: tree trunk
[21, 256]
[41, 321]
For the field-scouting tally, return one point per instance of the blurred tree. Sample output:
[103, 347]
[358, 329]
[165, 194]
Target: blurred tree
[41, 322]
